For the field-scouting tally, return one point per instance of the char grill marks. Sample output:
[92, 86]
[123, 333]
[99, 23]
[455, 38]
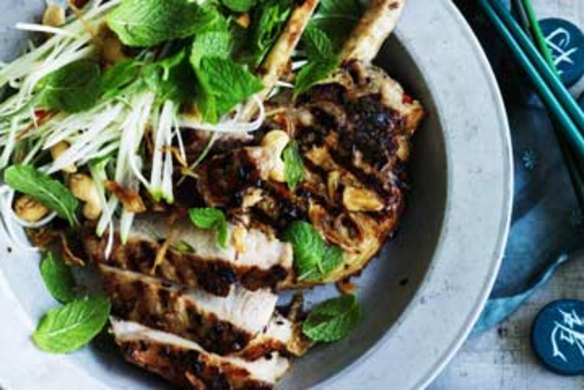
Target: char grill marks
[189, 365]
[220, 324]
[194, 259]
[354, 136]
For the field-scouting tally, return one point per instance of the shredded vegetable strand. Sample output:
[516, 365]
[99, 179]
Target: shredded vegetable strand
[45, 29]
[228, 125]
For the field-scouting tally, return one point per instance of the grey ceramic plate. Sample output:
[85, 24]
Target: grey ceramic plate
[423, 294]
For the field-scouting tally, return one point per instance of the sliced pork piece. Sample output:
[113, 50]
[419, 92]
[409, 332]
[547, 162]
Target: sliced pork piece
[281, 335]
[189, 365]
[220, 324]
[373, 28]
[194, 258]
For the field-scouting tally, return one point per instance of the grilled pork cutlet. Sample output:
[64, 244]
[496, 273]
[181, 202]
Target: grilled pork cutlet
[354, 133]
[194, 258]
[220, 324]
[189, 365]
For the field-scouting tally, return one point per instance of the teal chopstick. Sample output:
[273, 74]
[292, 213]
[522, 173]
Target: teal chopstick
[574, 165]
[538, 34]
[558, 88]
[521, 14]
[570, 129]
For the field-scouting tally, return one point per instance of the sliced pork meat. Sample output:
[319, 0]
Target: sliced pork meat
[194, 258]
[281, 335]
[220, 324]
[189, 365]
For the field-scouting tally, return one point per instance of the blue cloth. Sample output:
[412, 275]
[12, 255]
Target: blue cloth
[547, 223]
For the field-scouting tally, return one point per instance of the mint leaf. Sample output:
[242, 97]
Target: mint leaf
[337, 19]
[313, 259]
[227, 82]
[119, 77]
[332, 259]
[146, 23]
[68, 328]
[210, 44]
[239, 5]
[211, 218]
[205, 100]
[267, 22]
[172, 78]
[58, 278]
[206, 218]
[74, 88]
[323, 38]
[333, 320]
[215, 43]
[49, 192]
[293, 165]
[314, 72]
[317, 44]
[308, 246]
[346, 8]
[222, 234]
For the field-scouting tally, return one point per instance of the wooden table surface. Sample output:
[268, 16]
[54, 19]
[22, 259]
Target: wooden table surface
[502, 358]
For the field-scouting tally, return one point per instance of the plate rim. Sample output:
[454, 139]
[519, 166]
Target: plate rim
[55, 370]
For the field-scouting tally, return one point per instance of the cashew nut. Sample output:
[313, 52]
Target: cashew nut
[332, 185]
[243, 20]
[83, 188]
[54, 16]
[57, 150]
[238, 239]
[111, 49]
[251, 197]
[273, 146]
[29, 210]
[359, 199]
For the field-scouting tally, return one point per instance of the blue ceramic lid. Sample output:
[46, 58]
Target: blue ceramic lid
[557, 336]
[566, 42]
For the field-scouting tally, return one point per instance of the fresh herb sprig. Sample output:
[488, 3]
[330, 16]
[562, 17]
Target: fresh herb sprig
[333, 319]
[50, 192]
[58, 278]
[313, 259]
[74, 88]
[70, 327]
[211, 218]
[323, 38]
[147, 23]
[294, 170]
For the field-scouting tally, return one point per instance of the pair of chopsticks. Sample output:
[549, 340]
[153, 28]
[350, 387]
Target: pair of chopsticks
[529, 47]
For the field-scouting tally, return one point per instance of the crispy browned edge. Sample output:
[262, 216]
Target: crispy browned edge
[187, 368]
[155, 304]
[377, 23]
